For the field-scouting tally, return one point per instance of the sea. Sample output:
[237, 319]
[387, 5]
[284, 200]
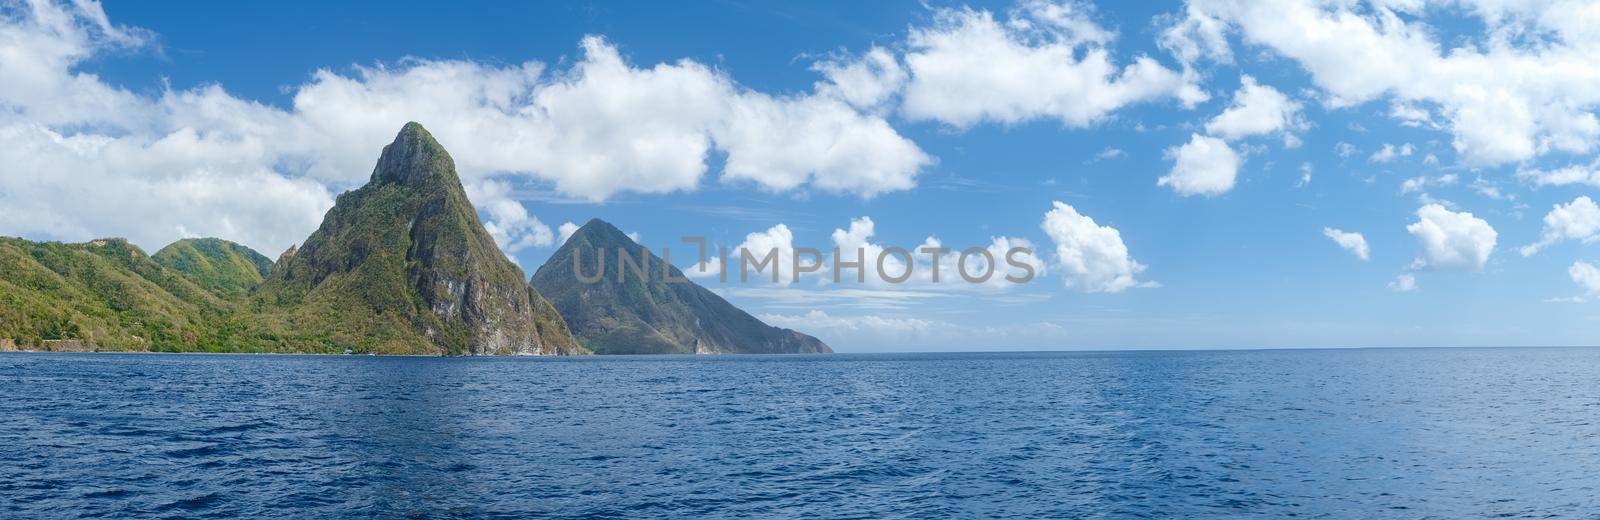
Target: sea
[1357, 433]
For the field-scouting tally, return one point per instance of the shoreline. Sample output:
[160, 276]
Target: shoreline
[886, 353]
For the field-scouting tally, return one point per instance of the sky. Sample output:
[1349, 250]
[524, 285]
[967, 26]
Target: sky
[1201, 174]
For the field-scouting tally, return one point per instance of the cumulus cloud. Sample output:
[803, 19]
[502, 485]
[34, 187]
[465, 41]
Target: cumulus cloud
[1257, 110]
[1451, 240]
[1353, 242]
[1090, 257]
[1203, 166]
[859, 237]
[1044, 61]
[759, 244]
[605, 126]
[1577, 220]
[867, 83]
[508, 220]
[1523, 90]
[263, 175]
[858, 242]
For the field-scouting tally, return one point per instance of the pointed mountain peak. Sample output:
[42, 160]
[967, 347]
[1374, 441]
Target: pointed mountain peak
[413, 158]
[622, 313]
[600, 232]
[408, 255]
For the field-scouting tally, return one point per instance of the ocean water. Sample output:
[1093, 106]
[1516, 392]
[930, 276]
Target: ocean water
[1342, 433]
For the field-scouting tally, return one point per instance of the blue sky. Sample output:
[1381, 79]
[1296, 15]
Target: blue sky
[259, 113]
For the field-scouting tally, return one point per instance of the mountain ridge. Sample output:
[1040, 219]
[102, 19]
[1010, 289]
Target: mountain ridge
[623, 313]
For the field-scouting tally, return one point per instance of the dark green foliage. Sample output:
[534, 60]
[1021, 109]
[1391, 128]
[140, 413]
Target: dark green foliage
[630, 314]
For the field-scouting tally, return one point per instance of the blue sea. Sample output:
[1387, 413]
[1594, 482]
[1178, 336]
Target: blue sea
[1446, 433]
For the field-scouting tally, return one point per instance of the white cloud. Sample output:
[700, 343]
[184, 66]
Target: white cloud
[1451, 240]
[1411, 115]
[1305, 175]
[566, 230]
[1419, 183]
[1204, 166]
[262, 175]
[1344, 149]
[508, 220]
[859, 237]
[1091, 257]
[1588, 175]
[782, 144]
[1045, 61]
[759, 244]
[866, 83]
[604, 126]
[1110, 153]
[1389, 152]
[1256, 110]
[1577, 220]
[1525, 88]
[1353, 242]
[858, 242]
[1587, 276]
[1406, 282]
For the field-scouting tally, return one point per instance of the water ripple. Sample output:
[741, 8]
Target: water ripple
[1441, 433]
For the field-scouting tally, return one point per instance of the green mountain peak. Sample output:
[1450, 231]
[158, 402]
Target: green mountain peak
[227, 269]
[404, 265]
[415, 158]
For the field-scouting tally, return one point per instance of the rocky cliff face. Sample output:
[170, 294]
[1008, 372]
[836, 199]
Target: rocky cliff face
[403, 265]
[632, 314]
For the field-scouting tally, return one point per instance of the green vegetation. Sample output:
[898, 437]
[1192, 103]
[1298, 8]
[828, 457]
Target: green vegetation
[404, 266]
[226, 269]
[104, 293]
[400, 266]
[632, 314]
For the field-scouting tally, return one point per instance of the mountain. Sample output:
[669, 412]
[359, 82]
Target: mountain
[404, 266]
[226, 269]
[103, 294]
[630, 314]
